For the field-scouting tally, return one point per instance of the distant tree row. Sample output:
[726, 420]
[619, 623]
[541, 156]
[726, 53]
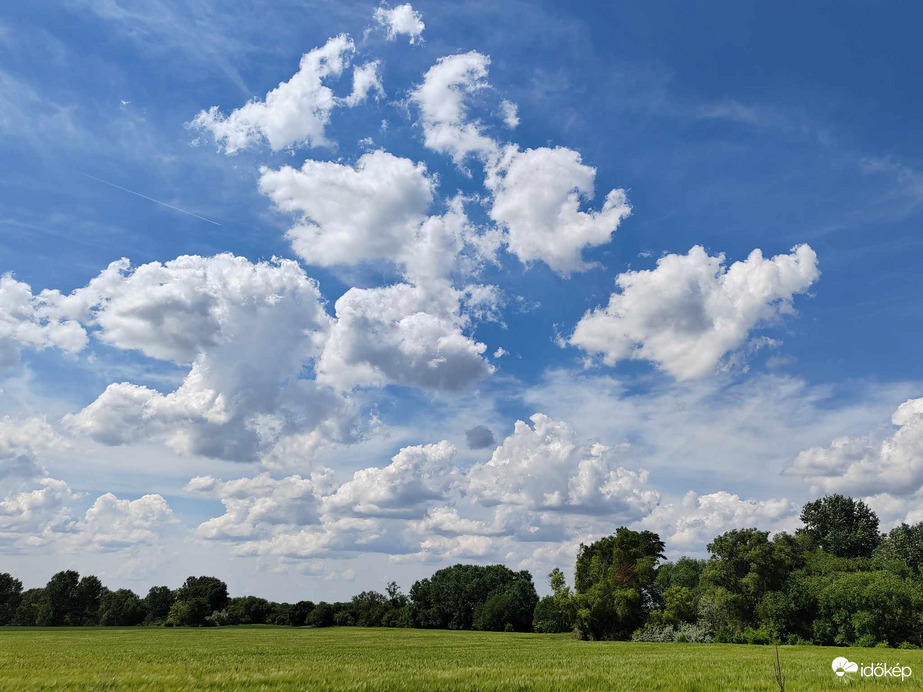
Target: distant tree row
[459, 597]
[836, 581]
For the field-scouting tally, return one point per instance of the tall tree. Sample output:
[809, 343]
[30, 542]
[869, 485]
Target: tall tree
[613, 579]
[87, 599]
[841, 525]
[158, 602]
[211, 590]
[59, 600]
[10, 596]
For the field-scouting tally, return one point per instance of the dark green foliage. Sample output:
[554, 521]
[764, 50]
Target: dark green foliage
[614, 578]
[87, 598]
[366, 609]
[122, 607]
[59, 600]
[157, 604]
[322, 615]
[557, 612]
[866, 608]
[279, 614]
[904, 544]
[248, 610]
[188, 612]
[210, 589]
[841, 526]
[453, 596]
[27, 612]
[684, 572]
[299, 613]
[10, 596]
[680, 607]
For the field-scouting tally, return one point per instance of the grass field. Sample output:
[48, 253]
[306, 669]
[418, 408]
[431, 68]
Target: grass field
[373, 659]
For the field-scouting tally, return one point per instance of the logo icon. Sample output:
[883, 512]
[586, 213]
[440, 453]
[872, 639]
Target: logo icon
[842, 667]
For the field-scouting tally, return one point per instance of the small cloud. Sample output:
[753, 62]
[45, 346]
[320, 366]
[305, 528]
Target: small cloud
[480, 437]
[500, 352]
[510, 112]
[401, 20]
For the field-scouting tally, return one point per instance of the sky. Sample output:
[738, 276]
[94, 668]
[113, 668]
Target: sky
[313, 296]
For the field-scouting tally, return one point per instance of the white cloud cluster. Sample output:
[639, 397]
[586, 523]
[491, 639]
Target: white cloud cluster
[31, 518]
[366, 81]
[247, 329]
[691, 311]
[22, 441]
[44, 514]
[401, 334]
[402, 20]
[352, 214]
[864, 465]
[536, 197]
[444, 114]
[545, 467]
[297, 111]
[699, 518]
[254, 505]
[114, 524]
[31, 321]
[416, 476]
[540, 486]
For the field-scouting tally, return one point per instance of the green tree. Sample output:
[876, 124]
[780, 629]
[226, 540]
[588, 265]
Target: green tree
[680, 606]
[87, 599]
[450, 598]
[557, 612]
[840, 525]
[613, 580]
[744, 566]
[323, 615]
[157, 604]
[904, 543]
[188, 612]
[58, 606]
[211, 590]
[684, 572]
[29, 608]
[248, 610]
[10, 596]
[300, 612]
[122, 608]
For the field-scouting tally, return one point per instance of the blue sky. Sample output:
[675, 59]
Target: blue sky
[753, 386]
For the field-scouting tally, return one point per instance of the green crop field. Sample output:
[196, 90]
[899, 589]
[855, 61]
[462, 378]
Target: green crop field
[385, 659]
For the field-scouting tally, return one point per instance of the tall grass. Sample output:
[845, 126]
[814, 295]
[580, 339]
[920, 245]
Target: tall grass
[386, 659]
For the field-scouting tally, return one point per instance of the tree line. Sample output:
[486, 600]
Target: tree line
[836, 581]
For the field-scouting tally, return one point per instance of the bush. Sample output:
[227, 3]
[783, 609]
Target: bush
[689, 633]
[755, 636]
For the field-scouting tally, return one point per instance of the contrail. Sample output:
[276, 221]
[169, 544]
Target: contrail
[156, 201]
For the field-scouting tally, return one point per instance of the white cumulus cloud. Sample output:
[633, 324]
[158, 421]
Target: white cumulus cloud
[546, 467]
[691, 311]
[294, 113]
[696, 520]
[415, 477]
[537, 197]
[444, 113]
[402, 20]
[401, 334]
[866, 465]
